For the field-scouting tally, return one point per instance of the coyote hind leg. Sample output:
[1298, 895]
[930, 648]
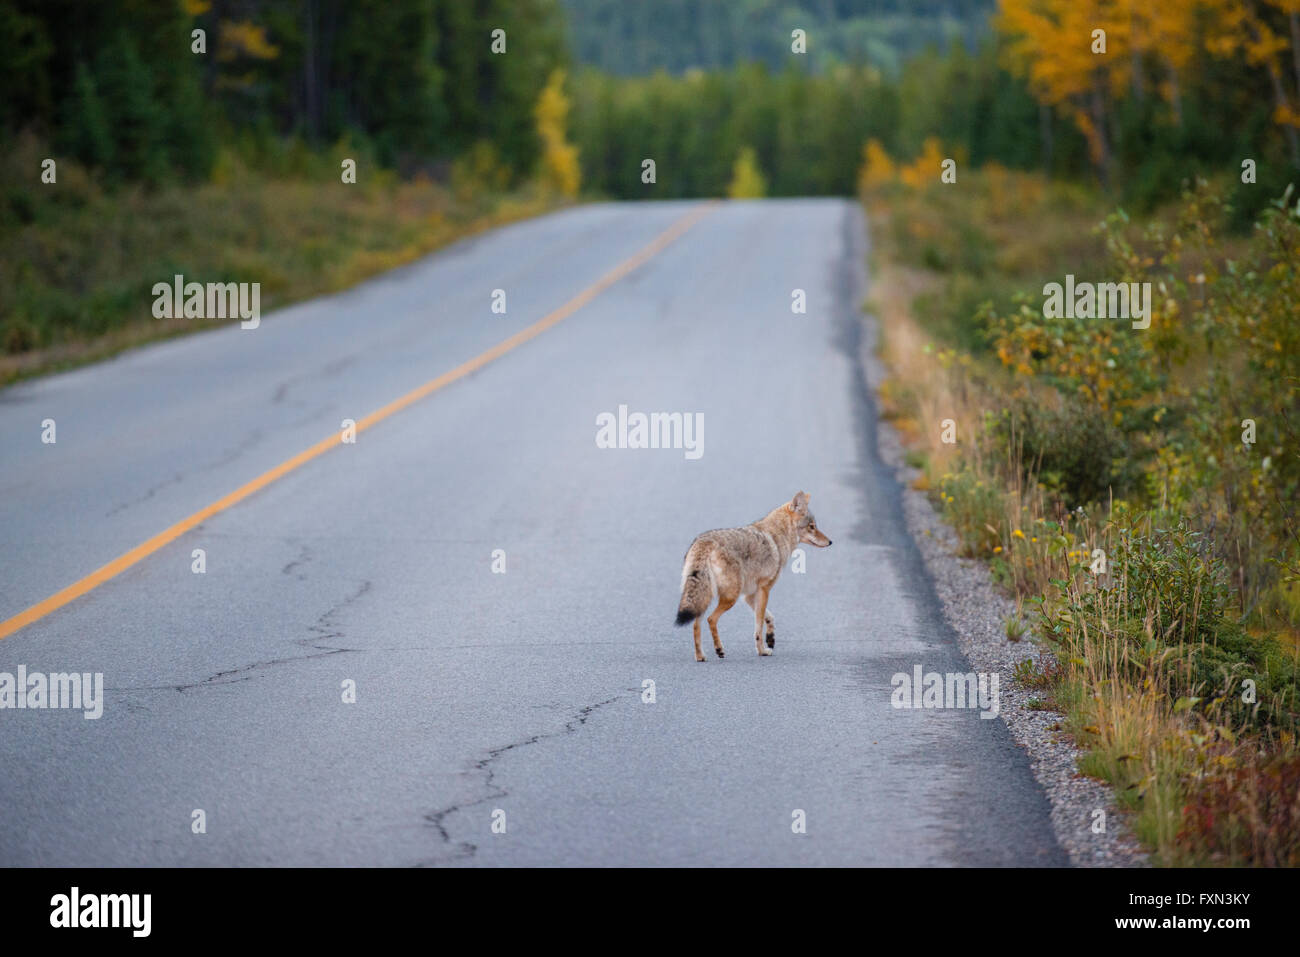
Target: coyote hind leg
[724, 603]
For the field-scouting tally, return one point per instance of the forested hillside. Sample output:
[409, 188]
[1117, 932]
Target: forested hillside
[676, 35]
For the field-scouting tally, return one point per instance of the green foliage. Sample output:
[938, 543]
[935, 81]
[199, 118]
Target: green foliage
[491, 96]
[1199, 413]
[1174, 580]
[390, 84]
[975, 509]
[479, 172]
[1030, 675]
[806, 132]
[25, 51]
[116, 85]
[86, 130]
[1226, 328]
[136, 121]
[1168, 603]
[1073, 449]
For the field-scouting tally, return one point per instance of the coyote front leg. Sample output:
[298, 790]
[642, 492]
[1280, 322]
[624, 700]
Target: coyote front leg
[767, 619]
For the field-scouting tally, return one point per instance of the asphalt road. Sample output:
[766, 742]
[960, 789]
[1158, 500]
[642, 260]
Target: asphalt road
[479, 691]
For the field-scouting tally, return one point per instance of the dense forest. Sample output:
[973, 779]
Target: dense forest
[124, 86]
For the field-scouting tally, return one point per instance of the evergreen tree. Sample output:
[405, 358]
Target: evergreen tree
[85, 130]
[136, 122]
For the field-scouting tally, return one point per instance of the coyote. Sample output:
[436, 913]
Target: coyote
[744, 561]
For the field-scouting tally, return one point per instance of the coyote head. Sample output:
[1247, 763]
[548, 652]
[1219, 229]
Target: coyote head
[805, 524]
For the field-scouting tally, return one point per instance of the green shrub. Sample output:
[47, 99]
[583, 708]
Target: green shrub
[1074, 450]
[1166, 599]
[975, 509]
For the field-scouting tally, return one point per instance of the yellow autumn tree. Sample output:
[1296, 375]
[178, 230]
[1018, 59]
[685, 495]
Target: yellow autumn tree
[240, 38]
[925, 169]
[559, 162]
[1055, 45]
[747, 180]
[877, 168]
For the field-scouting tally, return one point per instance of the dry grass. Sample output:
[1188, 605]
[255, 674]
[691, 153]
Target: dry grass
[77, 263]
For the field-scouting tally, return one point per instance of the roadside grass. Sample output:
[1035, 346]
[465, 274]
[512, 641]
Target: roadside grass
[1102, 477]
[78, 262]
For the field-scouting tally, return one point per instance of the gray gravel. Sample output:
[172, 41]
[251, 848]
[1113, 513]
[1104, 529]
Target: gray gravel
[977, 613]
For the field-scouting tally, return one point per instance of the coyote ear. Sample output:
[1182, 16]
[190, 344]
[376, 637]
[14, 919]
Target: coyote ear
[800, 502]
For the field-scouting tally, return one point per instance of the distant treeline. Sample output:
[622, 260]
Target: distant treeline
[807, 129]
[632, 37]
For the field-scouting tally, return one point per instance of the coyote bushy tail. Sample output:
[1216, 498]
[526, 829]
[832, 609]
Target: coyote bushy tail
[697, 584]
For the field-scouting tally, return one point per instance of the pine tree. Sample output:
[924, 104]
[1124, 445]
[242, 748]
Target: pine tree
[85, 132]
[136, 122]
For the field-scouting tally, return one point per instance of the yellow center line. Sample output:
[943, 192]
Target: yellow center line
[145, 549]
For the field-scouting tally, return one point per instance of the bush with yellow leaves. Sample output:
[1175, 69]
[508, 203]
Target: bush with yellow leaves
[559, 164]
[747, 181]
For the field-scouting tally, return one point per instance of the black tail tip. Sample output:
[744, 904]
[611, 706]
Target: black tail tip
[685, 616]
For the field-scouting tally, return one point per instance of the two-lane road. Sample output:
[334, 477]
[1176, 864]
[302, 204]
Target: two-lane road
[380, 563]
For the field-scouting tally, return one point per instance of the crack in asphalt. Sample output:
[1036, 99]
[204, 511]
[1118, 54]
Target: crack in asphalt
[149, 493]
[226, 458]
[328, 371]
[304, 556]
[464, 850]
[326, 632]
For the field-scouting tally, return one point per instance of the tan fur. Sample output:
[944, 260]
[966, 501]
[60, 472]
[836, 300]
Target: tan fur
[735, 562]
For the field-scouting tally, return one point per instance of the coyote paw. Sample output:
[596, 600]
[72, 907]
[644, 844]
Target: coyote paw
[764, 652]
[771, 639]
[720, 652]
